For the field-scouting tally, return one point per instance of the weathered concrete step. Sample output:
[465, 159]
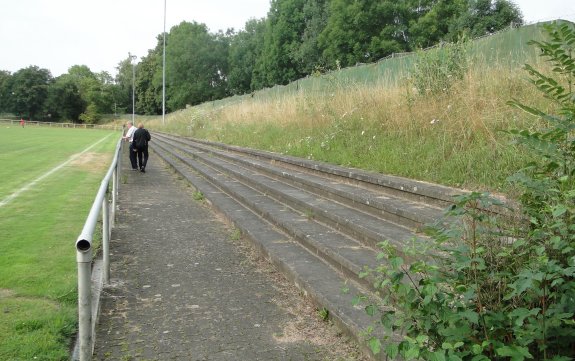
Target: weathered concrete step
[401, 211]
[405, 188]
[316, 279]
[345, 254]
[370, 200]
[368, 229]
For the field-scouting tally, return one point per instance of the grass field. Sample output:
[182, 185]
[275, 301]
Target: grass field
[42, 212]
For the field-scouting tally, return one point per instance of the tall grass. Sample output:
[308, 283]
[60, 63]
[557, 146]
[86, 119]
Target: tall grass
[455, 137]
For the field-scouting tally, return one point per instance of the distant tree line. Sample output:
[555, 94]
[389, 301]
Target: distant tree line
[80, 95]
[296, 39]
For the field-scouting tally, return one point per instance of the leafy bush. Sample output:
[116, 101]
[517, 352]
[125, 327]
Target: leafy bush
[91, 115]
[436, 70]
[495, 287]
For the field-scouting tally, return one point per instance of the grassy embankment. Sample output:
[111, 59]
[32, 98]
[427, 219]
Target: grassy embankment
[371, 117]
[38, 228]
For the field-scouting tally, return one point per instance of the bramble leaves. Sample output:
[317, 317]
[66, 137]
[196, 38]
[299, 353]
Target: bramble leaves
[496, 286]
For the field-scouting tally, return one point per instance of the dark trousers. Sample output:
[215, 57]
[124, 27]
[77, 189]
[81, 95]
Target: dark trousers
[144, 153]
[133, 156]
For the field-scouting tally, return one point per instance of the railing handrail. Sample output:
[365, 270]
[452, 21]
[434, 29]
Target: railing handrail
[84, 256]
[15, 122]
[92, 219]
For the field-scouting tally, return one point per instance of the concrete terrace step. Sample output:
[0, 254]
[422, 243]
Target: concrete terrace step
[423, 192]
[343, 253]
[318, 228]
[316, 279]
[380, 201]
[359, 225]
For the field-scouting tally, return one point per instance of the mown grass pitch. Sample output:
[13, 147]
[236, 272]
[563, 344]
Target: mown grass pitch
[42, 212]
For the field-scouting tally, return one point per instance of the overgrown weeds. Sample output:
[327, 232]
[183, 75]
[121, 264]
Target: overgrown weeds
[496, 288]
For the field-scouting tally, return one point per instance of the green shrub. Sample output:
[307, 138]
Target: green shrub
[437, 70]
[91, 115]
[494, 287]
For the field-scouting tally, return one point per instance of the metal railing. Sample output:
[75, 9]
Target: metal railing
[105, 202]
[34, 123]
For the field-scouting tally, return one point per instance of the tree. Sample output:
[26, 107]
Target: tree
[33, 93]
[220, 64]
[149, 81]
[309, 54]
[122, 92]
[364, 31]
[196, 65]
[485, 17]
[103, 94]
[95, 90]
[28, 90]
[433, 20]
[64, 101]
[245, 48]
[278, 62]
[4, 91]
[393, 36]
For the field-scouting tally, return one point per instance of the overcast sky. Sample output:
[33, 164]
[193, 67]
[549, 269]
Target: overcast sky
[56, 34]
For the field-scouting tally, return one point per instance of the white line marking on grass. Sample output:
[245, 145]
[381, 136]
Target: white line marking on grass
[47, 174]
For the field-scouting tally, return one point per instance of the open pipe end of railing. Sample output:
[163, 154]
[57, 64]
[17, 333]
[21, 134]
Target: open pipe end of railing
[84, 251]
[83, 245]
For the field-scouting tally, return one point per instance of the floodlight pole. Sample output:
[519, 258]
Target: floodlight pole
[164, 72]
[132, 57]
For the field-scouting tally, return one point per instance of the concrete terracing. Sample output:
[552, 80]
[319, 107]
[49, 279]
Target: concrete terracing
[318, 224]
[186, 286]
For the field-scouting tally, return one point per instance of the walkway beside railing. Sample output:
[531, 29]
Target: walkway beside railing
[104, 203]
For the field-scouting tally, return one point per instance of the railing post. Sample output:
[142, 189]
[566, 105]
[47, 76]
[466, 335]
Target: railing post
[84, 259]
[105, 241]
[119, 166]
[114, 197]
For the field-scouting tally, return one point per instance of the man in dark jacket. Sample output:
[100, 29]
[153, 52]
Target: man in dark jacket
[141, 139]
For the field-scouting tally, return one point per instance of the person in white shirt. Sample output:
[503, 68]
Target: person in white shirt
[130, 138]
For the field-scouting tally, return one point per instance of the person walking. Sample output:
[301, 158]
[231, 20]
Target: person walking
[141, 139]
[129, 137]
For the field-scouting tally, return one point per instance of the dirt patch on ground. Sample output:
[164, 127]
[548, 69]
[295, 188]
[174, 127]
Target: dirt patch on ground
[92, 162]
[5, 293]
